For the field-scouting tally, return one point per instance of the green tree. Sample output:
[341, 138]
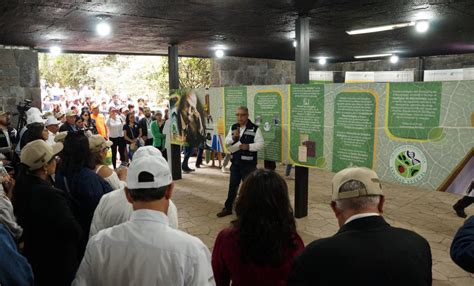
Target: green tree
[67, 69]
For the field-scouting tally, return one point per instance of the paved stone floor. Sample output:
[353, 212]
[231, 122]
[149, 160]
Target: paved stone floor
[201, 194]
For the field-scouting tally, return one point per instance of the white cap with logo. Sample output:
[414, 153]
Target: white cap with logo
[148, 159]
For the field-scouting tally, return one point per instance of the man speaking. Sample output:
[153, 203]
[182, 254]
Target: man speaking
[243, 141]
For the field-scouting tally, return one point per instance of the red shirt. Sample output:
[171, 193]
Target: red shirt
[228, 266]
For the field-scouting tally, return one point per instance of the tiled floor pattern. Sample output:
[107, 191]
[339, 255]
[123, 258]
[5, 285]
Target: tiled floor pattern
[201, 194]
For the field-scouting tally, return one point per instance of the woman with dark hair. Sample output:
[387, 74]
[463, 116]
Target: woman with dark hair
[259, 247]
[51, 232]
[88, 122]
[84, 185]
[35, 131]
[132, 133]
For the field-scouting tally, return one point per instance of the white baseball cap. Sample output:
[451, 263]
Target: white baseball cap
[51, 120]
[34, 118]
[148, 159]
[32, 111]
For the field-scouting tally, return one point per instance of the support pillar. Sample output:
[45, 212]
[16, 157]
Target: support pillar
[302, 76]
[174, 84]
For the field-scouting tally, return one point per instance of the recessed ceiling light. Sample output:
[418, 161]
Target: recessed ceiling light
[394, 59]
[322, 61]
[55, 50]
[219, 53]
[422, 26]
[372, 56]
[380, 28]
[103, 29]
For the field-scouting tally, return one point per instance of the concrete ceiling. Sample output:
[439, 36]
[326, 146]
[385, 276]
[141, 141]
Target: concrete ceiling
[248, 28]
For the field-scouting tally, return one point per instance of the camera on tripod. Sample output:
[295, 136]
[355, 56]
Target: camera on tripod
[22, 108]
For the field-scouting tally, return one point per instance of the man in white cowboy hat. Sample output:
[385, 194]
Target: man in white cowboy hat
[146, 250]
[52, 124]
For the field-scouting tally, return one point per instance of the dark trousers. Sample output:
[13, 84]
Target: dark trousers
[118, 143]
[199, 156]
[464, 202]
[188, 152]
[237, 174]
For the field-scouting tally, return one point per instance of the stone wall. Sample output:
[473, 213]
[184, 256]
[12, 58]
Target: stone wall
[19, 78]
[232, 71]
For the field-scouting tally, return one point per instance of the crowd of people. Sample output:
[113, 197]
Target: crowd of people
[70, 217]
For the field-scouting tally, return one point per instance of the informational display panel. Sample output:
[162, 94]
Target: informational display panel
[354, 130]
[268, 116]
[234, 97]
[307, 124]
[412, 133]
[414, 110]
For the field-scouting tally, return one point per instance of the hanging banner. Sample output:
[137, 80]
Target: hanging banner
[356, 77]
[443, 75]
[321, 76]
[394, 76]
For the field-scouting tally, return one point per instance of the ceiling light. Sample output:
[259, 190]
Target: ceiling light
[322, 61]
[380, 28]
[372, 56]
[394, 59]
[422, 26]
[294, 43]
[219, 53]
[103, 29]
[55, 50]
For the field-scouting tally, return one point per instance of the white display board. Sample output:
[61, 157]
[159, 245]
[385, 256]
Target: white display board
[323, 76]
[395, 76]
[444, 75]
[468, 74]
[353, 77]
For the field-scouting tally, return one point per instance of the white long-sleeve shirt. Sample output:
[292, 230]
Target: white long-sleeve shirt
[145, 251]
[254, 147]
[114, 209]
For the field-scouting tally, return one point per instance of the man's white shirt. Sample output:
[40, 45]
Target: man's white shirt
[114, 209]
[254, 147]
[145, 251]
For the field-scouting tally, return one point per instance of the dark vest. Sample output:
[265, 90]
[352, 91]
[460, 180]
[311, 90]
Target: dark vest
[246, 157]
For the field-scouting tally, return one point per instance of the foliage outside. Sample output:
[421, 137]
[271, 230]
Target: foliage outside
[132, 75]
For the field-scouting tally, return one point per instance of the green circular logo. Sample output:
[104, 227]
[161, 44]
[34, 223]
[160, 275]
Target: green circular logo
[408, 164]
